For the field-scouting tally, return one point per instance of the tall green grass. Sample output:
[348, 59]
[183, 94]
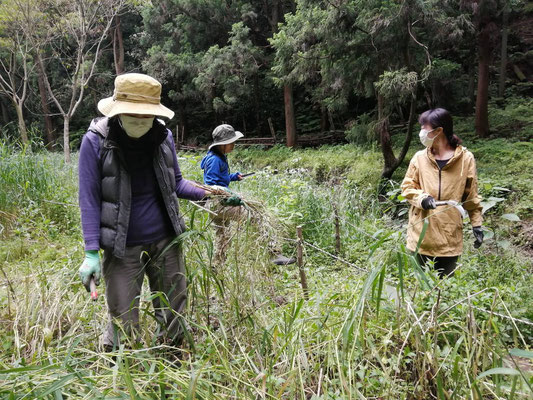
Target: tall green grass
[394, 331]
[36, 188]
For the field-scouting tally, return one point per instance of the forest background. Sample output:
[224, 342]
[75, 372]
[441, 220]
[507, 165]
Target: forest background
[362, 69]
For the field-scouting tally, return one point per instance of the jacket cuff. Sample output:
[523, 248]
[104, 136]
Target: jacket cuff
[476, 220]
[92, 245]
[420, 199]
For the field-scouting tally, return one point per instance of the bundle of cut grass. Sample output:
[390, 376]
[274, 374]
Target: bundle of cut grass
[268, 223]
[218, 192]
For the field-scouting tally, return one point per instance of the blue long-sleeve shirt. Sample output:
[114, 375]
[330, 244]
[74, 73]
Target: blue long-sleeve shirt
[216, 170]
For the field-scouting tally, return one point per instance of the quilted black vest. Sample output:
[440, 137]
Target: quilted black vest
[116, 188]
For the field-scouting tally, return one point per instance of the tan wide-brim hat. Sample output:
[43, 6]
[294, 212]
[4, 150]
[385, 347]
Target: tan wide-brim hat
[224, 134]
[135, 94]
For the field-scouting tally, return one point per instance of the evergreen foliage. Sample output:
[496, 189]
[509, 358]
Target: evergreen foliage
[225, 61]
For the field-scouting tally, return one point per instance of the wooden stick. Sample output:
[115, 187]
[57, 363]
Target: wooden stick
[300, 257]
[337, 231]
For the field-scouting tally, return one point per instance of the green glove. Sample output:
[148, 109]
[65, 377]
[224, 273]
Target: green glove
[232, 201]
[90, 268]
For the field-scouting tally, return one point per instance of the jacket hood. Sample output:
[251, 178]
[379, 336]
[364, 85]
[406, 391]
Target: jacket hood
[210, 154]
[202, 163]
[100, 125]
[460, 152]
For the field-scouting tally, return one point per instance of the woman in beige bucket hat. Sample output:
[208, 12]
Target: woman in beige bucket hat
[130, 182]
[135, 94]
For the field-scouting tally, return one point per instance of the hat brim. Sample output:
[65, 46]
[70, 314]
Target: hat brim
[110, 108]
[237, 136]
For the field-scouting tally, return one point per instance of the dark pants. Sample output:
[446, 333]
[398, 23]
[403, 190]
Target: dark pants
[443, 265]
[124, 279]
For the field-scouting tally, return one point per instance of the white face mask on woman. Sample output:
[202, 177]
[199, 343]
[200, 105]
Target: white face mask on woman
[424, 139]
[135, 127]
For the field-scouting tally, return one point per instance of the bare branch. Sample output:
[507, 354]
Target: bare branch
[417, 42]
[49, 88]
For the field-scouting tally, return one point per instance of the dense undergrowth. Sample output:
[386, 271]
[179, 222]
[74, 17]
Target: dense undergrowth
[375, 326]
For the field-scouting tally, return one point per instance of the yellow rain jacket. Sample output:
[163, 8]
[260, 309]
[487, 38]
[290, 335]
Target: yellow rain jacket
[456, 181]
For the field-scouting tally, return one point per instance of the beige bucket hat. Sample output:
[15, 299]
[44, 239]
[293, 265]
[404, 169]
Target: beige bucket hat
[135, 94]
[225, 134]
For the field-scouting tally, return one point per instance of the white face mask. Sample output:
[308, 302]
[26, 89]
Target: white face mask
[424, 139]
[135, 127]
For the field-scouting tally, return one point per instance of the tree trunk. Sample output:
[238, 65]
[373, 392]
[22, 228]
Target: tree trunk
[48, 125]
[331, 121]
[5, 111]
[471, 86]
[182, 123]
[409, 133]
[391, 163]
[385, 140]
[503, 58]
[482, 100]
[118, 47]
[324, 121]
[272, 130]
[290, 121]
[66, 138]
[257, 106]
[210, 97]
[22, 125]
[275, 15]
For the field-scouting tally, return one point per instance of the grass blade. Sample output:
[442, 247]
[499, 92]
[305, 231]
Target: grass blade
[498, 371]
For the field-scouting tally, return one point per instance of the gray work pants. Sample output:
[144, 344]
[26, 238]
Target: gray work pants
[124, 278]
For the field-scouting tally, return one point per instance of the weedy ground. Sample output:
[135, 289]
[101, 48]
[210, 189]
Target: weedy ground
[376, 325]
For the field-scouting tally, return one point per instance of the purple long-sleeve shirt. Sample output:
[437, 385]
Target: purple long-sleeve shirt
[149, 220]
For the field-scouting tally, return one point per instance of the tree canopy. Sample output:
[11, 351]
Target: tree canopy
[365, 67]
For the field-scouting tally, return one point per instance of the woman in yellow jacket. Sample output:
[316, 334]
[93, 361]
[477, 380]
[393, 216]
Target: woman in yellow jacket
[443, 171]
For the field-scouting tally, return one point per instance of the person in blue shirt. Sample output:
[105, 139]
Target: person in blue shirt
[215, 163]
[217, 173]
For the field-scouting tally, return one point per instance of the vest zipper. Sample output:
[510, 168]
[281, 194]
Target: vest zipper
[110, 145]
[440, 175]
